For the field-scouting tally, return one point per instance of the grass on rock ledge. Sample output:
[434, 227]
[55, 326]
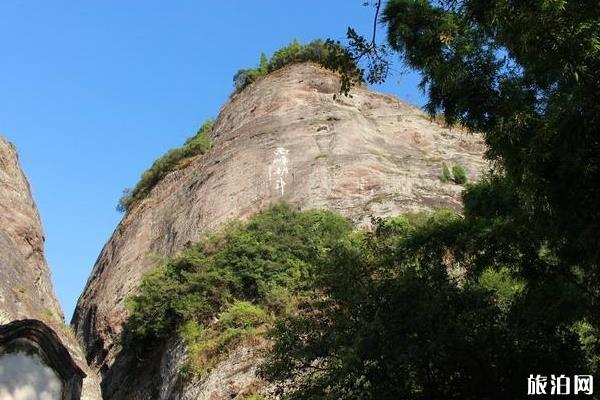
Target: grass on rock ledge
[174, 159]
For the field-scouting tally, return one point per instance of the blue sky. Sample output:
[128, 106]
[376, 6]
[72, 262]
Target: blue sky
[92, 92]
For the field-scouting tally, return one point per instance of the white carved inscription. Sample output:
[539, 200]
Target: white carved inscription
[278, 169]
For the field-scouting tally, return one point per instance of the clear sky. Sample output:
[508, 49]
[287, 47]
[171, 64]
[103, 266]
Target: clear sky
[91, 92]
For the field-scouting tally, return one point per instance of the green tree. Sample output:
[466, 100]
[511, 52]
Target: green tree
[264, 64]
[465, 308]
[393, 316]
[527, 76]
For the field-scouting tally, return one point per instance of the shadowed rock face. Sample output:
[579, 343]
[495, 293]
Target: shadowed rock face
[283, 138]
[25, 287]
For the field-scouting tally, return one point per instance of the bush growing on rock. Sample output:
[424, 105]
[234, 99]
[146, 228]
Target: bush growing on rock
[328, 54]
[229, 284]
[207, 344]
[446, 175]
[172, 160]
[459, 174]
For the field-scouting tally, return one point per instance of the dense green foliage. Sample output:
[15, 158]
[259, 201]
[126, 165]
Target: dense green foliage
[172, 160]
[425, 306]
[326, 53]
[527, 75]
[467, 308]
[266, 262]
[431, 307]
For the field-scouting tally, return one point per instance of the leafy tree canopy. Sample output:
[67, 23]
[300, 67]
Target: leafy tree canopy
[467, 307]
[433, 307]
[527, 75]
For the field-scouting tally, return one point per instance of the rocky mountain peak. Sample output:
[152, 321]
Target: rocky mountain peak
[283, 138]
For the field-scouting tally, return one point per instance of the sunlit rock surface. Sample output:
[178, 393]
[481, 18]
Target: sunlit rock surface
[286, 138]
[25, 286]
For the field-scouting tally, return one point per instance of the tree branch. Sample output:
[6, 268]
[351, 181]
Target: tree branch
[377, 7]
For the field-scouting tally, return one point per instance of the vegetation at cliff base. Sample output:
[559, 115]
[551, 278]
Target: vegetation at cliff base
[466, 308]
[225, 287]
[432, 306]
[172, 160]
[429, 306]
[426, 305]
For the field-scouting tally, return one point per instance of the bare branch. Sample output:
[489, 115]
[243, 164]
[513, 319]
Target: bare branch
[377, 7]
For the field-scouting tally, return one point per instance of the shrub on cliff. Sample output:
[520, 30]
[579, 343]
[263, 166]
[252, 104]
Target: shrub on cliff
[173, 159]
[207, 344]
[446, 175]
[459, 174]
[328, 54]
[261, 262]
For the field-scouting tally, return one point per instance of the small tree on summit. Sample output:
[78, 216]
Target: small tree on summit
[328, 54]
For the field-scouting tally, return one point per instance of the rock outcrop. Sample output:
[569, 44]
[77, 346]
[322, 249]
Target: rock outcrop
[286, 138]
[25, 287]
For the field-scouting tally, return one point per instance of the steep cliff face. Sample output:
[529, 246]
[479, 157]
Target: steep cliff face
[26, 289]
[283, 138]
[25, 286]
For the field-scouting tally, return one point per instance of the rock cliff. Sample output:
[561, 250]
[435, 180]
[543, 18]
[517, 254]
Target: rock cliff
[25, 286]
[286, 138]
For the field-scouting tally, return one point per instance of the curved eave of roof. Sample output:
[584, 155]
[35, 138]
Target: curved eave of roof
[54, 352]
